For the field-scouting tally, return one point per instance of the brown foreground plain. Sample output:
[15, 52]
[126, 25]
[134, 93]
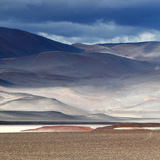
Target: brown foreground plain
[109, 145]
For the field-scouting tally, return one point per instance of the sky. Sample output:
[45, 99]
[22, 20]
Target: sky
[85, 21]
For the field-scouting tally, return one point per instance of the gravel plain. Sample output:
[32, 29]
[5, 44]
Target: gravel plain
[110, 145]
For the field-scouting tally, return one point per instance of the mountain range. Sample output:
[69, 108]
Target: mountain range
[146, 51]
[44, 80]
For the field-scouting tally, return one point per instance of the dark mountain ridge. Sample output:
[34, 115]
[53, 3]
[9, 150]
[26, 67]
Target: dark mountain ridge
[18, 43]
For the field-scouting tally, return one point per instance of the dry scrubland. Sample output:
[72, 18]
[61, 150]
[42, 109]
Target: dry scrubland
[111, 145]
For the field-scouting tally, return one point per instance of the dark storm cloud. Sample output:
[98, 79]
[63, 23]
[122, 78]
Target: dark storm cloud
[60, 17]
[85, 11]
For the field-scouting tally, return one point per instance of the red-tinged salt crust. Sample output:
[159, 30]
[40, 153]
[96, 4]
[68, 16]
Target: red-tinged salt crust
[130, 126]
[60, 129]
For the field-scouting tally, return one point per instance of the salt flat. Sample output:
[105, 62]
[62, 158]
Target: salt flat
[20, 128]
[16, 128]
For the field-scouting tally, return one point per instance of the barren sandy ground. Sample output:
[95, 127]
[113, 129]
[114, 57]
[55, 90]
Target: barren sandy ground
[110, 145]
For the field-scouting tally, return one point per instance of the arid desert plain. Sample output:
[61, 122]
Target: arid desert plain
[110, 145]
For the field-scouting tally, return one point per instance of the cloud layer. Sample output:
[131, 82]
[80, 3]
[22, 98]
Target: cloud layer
[88, 21]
